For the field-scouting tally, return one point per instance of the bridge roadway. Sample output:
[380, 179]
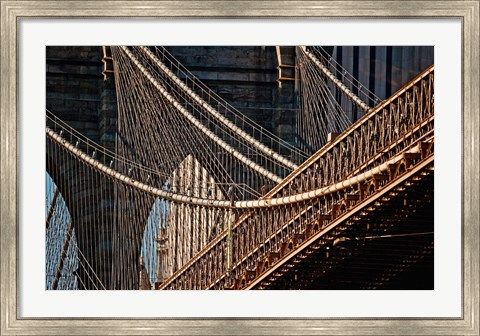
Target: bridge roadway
[379, 235]
[399, 128]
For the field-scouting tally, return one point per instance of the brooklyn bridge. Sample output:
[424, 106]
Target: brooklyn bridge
[199, 168]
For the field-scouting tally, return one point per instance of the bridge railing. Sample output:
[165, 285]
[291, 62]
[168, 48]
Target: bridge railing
[396, 126]
[390, 127]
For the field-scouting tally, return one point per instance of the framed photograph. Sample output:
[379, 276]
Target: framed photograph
[281, 152]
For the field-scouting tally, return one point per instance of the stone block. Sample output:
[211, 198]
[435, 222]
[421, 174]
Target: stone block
[233, 76]
[88, 96]
[261, 77]
[104, 107]
[206, 75]
[285, 117]
[106, 137]
[55, 103]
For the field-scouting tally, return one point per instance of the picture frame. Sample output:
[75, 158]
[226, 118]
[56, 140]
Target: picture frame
[13, 11]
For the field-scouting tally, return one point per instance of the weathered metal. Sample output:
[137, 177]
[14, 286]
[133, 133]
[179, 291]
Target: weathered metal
[395, 126]
[259, 240]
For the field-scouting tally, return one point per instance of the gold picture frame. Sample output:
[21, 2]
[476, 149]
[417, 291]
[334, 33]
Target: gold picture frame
[467, 11]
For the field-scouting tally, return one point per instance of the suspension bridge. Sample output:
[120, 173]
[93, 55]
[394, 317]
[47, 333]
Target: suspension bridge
[195, 195]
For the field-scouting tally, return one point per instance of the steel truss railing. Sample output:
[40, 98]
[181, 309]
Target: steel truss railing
[347, 212]
[399, 127]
